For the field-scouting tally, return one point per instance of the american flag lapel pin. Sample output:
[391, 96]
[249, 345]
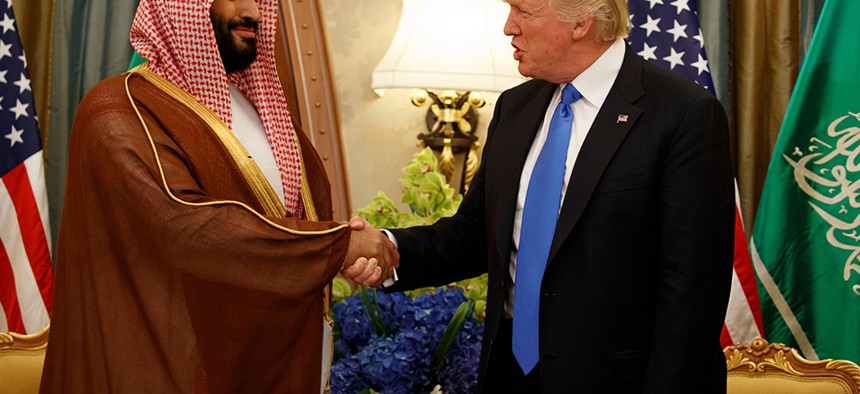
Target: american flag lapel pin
[622, 118]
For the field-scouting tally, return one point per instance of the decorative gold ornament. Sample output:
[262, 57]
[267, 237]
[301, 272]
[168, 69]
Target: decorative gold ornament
[451, 122]
[472, 163]
[446, 160]
[761, 357]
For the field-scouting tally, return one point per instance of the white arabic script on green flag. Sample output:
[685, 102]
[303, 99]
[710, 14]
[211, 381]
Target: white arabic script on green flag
[806, 238]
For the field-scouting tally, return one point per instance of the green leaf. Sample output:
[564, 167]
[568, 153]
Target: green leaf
[480, 310]
[371, 310]
[450, 334]
[380, 213]
[377, 311]
[340, 289]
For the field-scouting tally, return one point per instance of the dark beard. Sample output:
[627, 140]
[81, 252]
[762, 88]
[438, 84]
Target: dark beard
[234, 56]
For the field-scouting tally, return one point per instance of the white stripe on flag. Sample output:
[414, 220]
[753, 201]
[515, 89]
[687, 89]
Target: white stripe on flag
[36, 173]
[739, 317]
[4, 327]
[33, 312]
[740, 322]
[782, 305]
[738, 205]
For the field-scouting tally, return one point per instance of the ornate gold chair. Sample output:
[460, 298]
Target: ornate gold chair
[762, 368]
[21, 361]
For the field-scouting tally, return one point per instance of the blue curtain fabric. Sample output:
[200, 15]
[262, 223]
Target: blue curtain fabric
[90, 43]
[714, 21]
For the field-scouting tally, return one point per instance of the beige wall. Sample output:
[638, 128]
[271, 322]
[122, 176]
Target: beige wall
[378, 133]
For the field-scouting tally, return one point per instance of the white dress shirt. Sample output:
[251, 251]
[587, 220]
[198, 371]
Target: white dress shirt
[248, 128]
[594, 84]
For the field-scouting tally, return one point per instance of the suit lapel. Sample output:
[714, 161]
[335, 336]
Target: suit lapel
[514, 141]
[603, 139]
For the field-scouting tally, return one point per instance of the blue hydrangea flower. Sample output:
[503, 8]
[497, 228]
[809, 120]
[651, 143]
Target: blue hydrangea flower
[399, 362]
[459, 372]
[346, 377]
[355, 331]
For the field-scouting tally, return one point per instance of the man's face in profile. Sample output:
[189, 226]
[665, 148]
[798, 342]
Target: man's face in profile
[235, 25]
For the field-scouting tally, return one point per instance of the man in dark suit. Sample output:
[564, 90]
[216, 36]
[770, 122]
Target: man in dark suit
[633, 261]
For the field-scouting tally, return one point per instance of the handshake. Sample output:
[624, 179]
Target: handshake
[371, 257]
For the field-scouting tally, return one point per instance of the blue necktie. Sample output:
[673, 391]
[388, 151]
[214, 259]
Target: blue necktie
[540, 215]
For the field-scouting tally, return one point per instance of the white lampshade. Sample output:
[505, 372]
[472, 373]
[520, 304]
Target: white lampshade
[450, 44]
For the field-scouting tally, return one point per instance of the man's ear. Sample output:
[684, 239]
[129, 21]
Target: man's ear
[582, 28]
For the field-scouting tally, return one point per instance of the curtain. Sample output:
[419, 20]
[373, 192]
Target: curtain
[714, 21]
[764, 48]
[755, 48]
[90, 43]
[809, 12]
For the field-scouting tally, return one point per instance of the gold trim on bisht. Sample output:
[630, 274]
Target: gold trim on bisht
[257, 181]
[311, 214]
[249, 168]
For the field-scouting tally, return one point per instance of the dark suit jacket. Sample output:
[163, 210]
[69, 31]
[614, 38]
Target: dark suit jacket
[635, 290]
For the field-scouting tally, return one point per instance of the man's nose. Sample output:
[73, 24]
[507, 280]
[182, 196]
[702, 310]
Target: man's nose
[249, 9]
[511, 28]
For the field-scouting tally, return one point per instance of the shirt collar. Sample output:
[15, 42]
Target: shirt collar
[595, 82]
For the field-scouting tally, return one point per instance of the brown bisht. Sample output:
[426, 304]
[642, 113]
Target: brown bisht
[173, 272]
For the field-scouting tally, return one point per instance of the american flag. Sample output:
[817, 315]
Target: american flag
[26, 280]
[667, 33]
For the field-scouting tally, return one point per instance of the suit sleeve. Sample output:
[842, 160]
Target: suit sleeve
[453, 248]
[696, 214]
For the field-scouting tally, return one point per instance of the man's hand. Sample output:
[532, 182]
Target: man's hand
[363, 271]
[371, 257]
[358, 223]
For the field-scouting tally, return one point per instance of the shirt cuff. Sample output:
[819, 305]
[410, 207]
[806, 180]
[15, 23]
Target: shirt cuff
[393, 278]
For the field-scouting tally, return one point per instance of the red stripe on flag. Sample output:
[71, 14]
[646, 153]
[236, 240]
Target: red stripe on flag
[9, 294]
[745, 272]
[725, 338]
[32, 231]
[743, 316]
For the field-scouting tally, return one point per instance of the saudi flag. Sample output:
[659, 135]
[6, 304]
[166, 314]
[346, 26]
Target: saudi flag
[806, 238]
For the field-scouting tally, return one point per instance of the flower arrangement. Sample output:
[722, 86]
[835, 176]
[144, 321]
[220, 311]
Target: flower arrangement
[396, 344]
[425, 192]
[418, 341]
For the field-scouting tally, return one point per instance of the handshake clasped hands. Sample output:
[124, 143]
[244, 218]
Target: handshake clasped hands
[371, 257]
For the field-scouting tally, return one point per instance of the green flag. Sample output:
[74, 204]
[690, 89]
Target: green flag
[806, 238]
[136, 60]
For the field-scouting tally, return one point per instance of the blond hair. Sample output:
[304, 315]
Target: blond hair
[611, 17]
